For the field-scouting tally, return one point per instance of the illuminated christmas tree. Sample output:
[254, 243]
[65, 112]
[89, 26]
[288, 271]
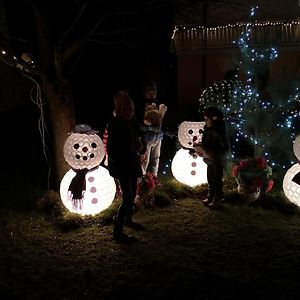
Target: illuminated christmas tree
[260, 113]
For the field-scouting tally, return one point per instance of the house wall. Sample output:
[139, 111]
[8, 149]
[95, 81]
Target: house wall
[192, 79]
[194, 75]
[196, 72]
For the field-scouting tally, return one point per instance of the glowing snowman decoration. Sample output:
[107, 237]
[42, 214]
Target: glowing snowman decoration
[291, 180]
[190, 133]
[87, 188]
[186, 168]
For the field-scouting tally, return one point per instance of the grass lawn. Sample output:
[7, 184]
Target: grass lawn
[186, 252]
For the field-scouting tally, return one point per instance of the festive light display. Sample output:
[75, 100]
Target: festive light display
[268, 124]
[292, 189]
[287, 24]
[296, 147]
[190, 133]
[189, 169]
[99, 194]
[291, 180]
[87, 188]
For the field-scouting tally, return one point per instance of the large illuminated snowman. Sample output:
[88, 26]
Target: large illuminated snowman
[291, 180]
[187, 168]
[87, 188]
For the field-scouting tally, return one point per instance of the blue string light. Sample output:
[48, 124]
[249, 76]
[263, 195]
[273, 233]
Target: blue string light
[250, 117]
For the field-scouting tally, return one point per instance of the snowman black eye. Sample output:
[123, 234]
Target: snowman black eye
[77, 156]
[94, 145]
[76, 146]
[190, 131]
[92, 155]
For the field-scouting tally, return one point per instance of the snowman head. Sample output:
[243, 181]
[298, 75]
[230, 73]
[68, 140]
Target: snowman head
[190, 133]
[83, 148]
[296, 147]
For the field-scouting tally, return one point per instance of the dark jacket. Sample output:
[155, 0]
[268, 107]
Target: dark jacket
[123, 146]
[216, 143]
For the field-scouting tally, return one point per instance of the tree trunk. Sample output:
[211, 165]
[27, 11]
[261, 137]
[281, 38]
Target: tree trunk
[62, 118]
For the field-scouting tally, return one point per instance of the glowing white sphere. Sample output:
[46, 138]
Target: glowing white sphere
[99, 194]
[292, 189]
[189, 133]
[83, 150]
[296, 147]
[187, 169]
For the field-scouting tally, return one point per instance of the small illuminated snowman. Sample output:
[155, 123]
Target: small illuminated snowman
[187, 168]
[190, 133]
[87, 188]
[291, 180]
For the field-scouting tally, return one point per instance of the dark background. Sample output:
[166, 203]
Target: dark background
[100, 69]
[130, 46]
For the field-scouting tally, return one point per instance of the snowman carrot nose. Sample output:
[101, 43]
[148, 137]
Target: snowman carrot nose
[194, 139]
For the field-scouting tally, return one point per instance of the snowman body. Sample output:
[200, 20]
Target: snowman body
[100, 191]
[84, 151]
[291, 184]
[189, 169]
[292, 189]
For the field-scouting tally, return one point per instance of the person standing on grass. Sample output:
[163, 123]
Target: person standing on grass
[150, 114]
[124, 147]
[214, 148]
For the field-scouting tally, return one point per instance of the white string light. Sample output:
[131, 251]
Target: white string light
[241, 101]
[25, 64]
[200, 28]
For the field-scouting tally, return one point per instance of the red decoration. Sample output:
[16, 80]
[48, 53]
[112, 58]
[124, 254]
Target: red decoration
[254, 174]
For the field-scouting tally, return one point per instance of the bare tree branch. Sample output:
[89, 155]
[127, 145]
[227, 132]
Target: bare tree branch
[74, 23]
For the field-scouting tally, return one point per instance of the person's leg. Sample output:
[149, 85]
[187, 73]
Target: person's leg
[211, 187]
[128, 194]
[132, 191]
[218, 186]
[145, 163]
[127, 198]
[219, 169]
[128, 217]
[154, 157]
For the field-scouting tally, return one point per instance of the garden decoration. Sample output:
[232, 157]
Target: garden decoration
[145, 187]
[253, 177]
[291, 180]
[87, 188]
[260, 111]
[188, 168]
[190, 133]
